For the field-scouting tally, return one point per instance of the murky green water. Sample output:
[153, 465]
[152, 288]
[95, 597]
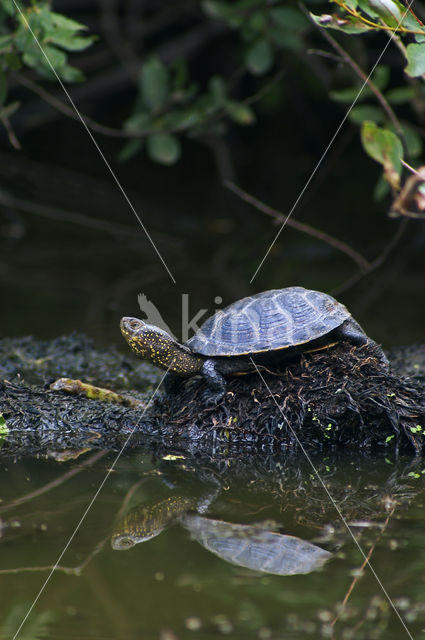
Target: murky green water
[171, 586]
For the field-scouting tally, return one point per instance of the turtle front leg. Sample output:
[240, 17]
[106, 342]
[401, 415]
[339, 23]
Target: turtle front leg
[214, 379]
[351, 330]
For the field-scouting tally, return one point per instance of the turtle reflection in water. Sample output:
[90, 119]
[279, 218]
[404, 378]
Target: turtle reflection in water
[145, 522]
[254, 546]
[264, 329]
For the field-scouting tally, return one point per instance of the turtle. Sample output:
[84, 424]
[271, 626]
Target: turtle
[260, 330]
[143, 522]
[253, 546]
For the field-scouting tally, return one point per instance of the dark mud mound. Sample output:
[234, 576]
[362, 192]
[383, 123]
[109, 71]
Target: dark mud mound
[331, 398]
[39, 362]
[338, 396]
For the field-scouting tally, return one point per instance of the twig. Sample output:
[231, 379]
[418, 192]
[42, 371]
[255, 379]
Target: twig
[110, 22]
[361, 74]
[64, 216]
[408, 6]
[11, 134]
[55, 483]
[60, 106]
[74, 571]
[362, 263]
[364, 563]
[265, 88]
[222, 156]
[378, 262]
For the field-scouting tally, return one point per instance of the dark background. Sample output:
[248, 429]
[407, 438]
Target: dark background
[59, 274]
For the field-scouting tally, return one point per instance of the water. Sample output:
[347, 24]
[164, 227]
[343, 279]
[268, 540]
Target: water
[173, 587]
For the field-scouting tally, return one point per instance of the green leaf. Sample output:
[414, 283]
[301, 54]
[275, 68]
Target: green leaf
[348, 24]
[66, 23]
[5, 42]
[180, 74]
[380, 79]
[364, 5]
[350, 94]
[31, 58]
[381, 189]
[413, 141]
[8, 7]
[289, 18]
[4, 430]
[57, 58]
[217, 92]
[257, 21]
[415, 59]
[154, 83]
[389, 11]
[381, 76]
[24, 41]
[163, 148]
[240, 113]
[366, 112]
[352, 4]
[259, 57]
[385, 147]
[291, 40]
[400, 95]
[221, 10]
[67, 40]
[130, 149]
[139, 121]
[184, 119]
[70, 74]
[419, 37]
[12, 61]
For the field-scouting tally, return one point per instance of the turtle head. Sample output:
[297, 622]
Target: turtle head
[155, 344]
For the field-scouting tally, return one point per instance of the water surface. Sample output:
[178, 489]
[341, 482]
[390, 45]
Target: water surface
[171, 586]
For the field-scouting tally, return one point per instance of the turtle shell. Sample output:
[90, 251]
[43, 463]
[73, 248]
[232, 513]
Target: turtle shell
[276, 319]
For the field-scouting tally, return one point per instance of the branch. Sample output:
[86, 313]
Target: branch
[365, 562]
[55, 483]
[64, 216]
[360, 260]
[11, 134]
[378, 262]
[366, 80]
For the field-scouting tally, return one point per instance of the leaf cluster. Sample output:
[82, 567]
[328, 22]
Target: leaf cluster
[38, 38]
[168, 104]
[270, 34]
[385, 137]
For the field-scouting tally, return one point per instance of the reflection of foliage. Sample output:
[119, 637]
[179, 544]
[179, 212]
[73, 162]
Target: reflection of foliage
[37, 625]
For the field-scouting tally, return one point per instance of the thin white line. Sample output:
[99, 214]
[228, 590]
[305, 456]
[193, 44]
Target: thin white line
[330, 144]
[311, 463]
[88, 508]
[94, 141]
